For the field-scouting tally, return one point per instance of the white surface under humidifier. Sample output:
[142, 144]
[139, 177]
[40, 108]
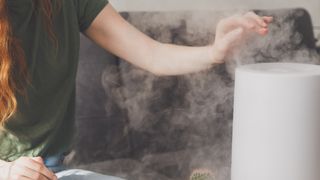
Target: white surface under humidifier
[276, 131]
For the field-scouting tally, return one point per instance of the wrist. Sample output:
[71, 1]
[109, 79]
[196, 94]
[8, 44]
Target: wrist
[216, 57]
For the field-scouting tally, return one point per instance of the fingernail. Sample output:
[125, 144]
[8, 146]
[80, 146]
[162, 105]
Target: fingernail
[263, 31]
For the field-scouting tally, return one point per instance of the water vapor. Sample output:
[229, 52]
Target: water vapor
[193, 113]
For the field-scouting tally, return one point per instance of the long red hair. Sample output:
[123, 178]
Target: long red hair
[13, 68]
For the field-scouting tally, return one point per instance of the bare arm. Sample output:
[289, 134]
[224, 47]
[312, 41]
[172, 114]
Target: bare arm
[114, 34]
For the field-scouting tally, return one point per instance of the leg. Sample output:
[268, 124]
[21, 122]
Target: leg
[77, 174]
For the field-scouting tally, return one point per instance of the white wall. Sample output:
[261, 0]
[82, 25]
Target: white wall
[313, 6]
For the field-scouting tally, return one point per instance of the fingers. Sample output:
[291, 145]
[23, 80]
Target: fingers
[246, 23]
[21, 172]
[263, 31]
[267, 19]
[262, 23]
[36, 166]
[231, 31]
[258, 20]
[38, 159]
[19, 177]
[251, 22]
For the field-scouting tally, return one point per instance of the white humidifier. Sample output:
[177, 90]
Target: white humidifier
[276, 131]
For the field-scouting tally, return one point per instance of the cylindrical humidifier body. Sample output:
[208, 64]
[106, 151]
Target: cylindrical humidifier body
[276, 130]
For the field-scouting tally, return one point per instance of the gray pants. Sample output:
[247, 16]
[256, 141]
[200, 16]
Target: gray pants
[77, 174]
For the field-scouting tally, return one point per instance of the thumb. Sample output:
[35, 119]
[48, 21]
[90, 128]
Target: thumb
[38, 159]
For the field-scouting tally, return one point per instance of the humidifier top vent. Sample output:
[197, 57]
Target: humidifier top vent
[291, 69]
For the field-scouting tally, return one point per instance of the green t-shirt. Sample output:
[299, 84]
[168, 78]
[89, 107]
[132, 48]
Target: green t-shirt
[44, 122]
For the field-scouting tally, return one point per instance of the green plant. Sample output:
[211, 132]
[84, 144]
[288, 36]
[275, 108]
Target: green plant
[201, 174]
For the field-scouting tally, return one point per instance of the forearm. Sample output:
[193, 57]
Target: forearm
[168, 59]
[114, 34]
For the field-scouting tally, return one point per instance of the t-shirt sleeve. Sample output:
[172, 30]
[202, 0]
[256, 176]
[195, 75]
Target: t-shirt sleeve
[88, 11]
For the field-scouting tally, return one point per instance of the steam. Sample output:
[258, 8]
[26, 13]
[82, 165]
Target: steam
[199, 105]
[282, 44]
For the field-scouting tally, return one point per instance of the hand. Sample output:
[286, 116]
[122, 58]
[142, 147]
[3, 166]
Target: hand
[26, 168]
[233, 29]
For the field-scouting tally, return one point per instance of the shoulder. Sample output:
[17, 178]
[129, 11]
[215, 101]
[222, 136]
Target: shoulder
[85, 3]
[86, 10]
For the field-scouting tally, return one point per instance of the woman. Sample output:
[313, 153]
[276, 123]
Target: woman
[39, 44]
